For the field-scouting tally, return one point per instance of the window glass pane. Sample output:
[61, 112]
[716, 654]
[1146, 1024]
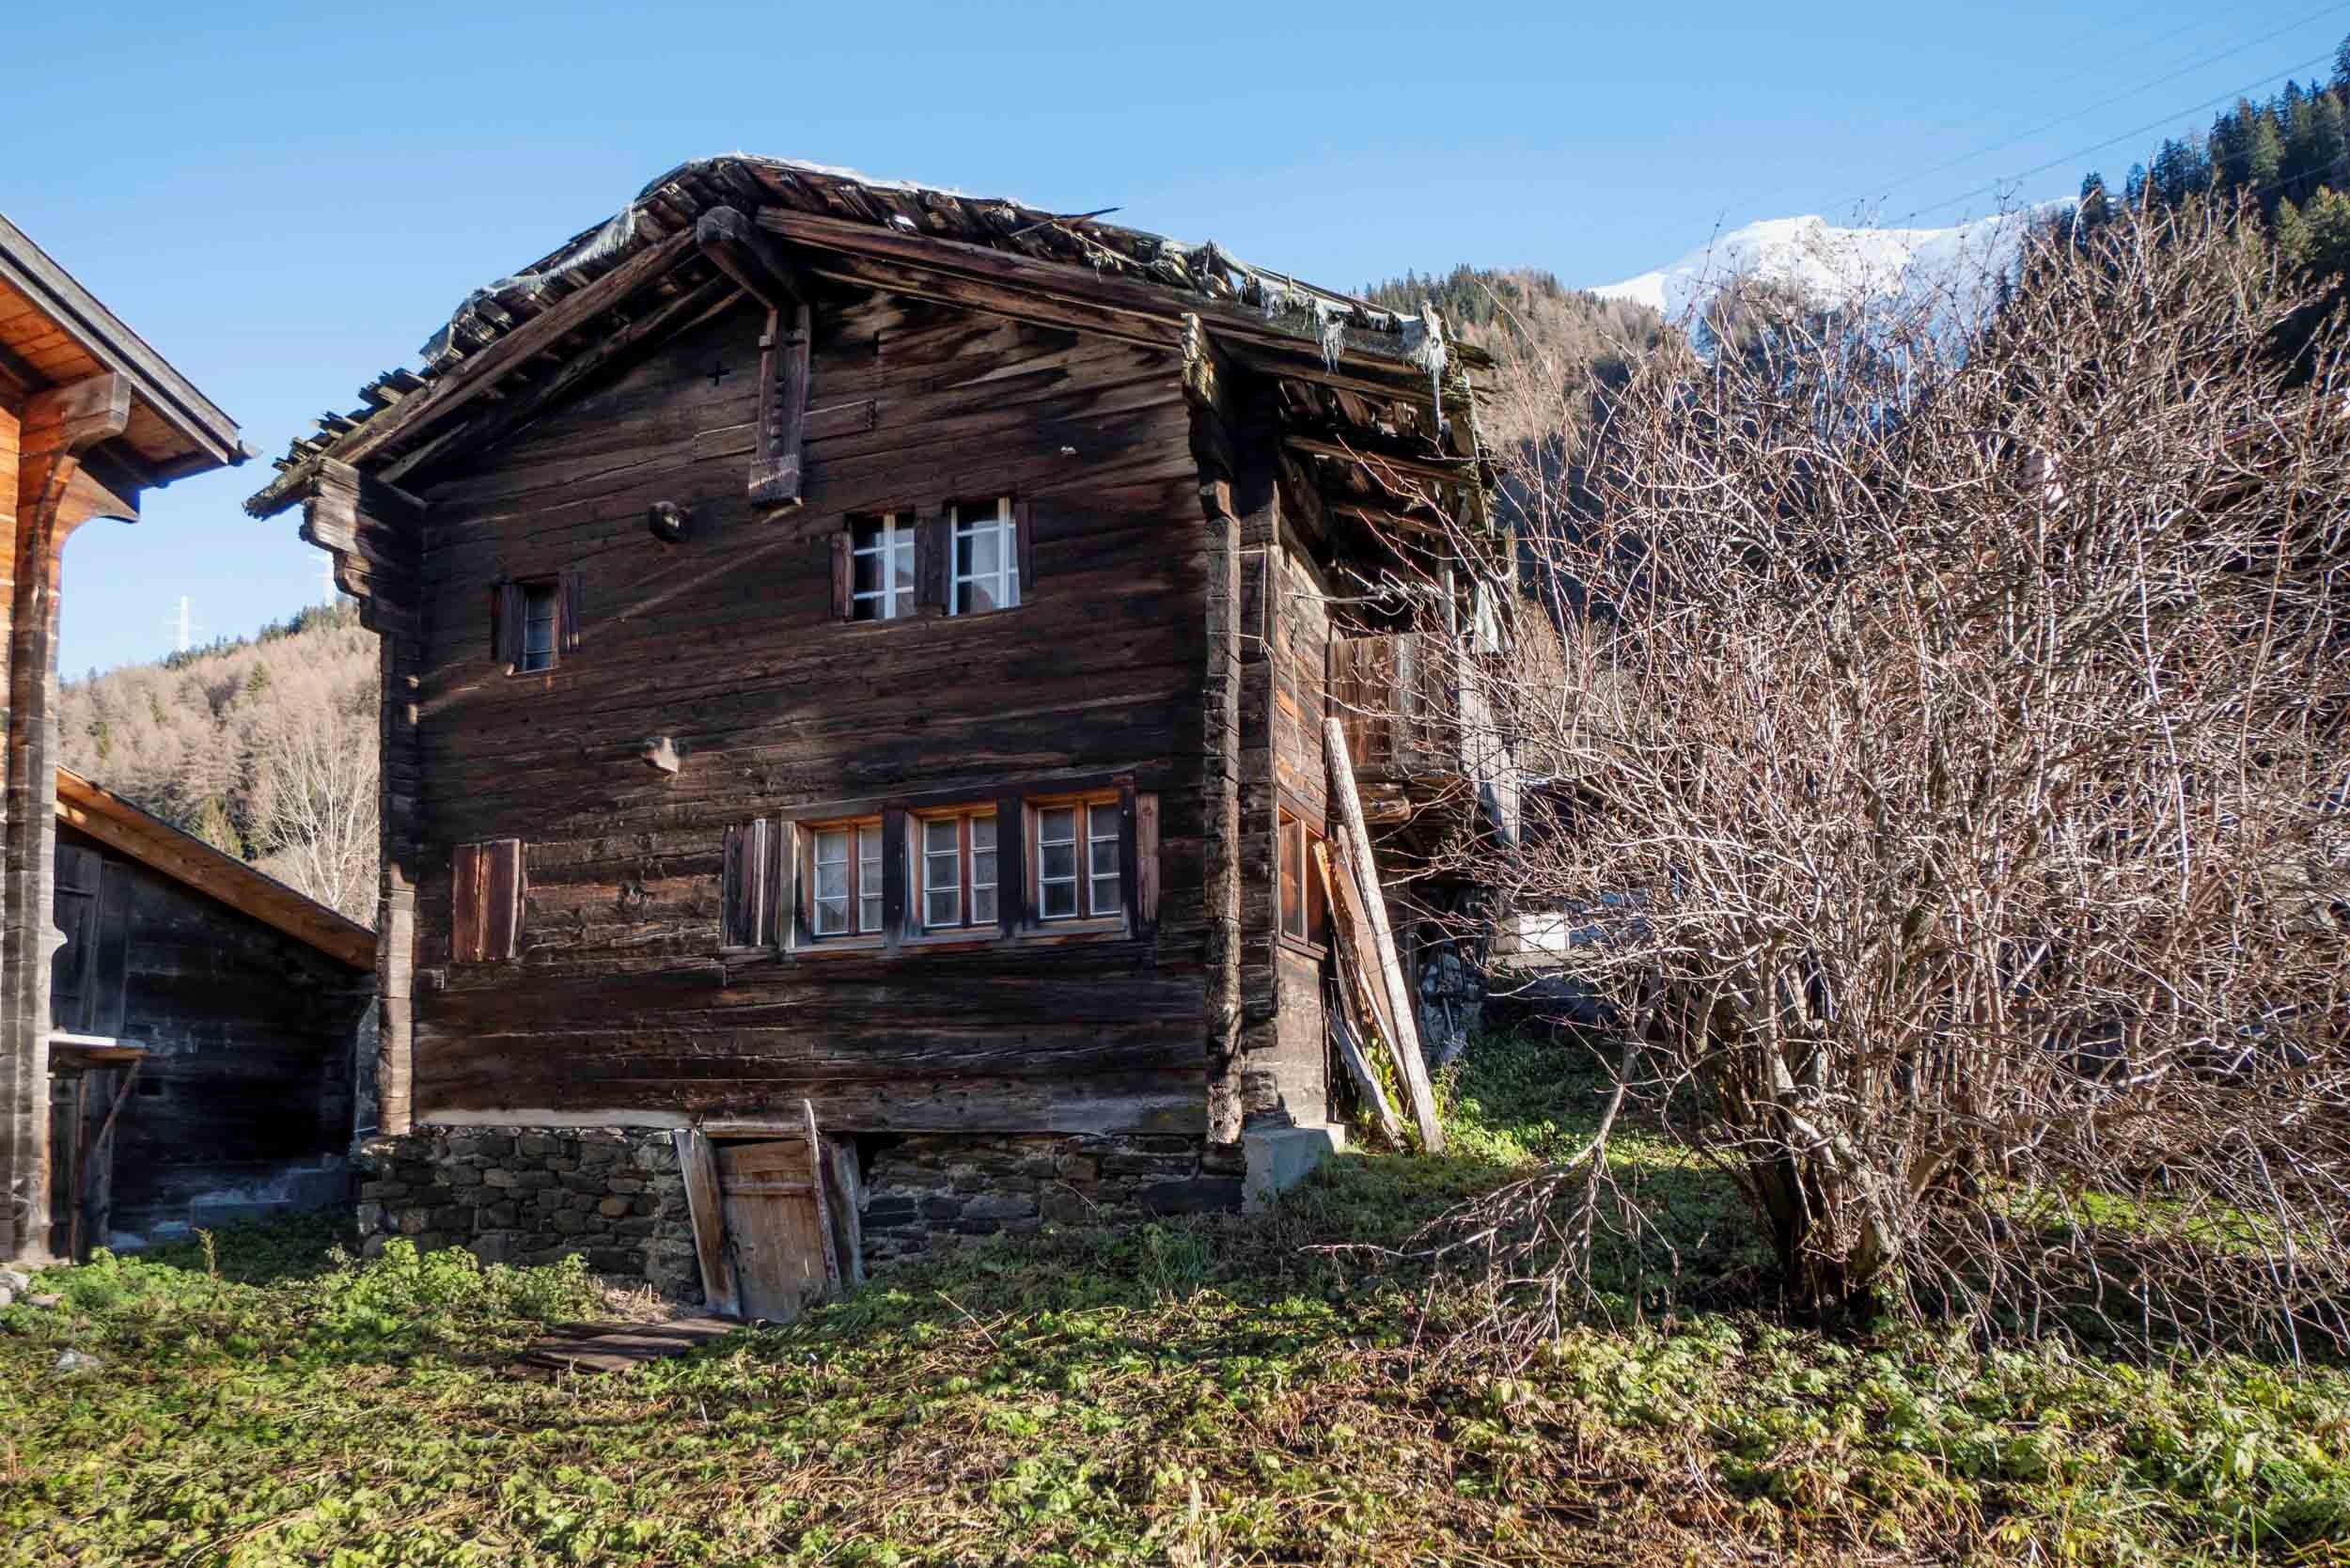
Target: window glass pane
[978, 594]
[902, 579]
[1060, 862]
[864, 572]
[982, 906]
[986, 551]
[868, 912]
[1102, 858]
[868, 536]
[831, 917]
[1057, 825]
[983, 834]
[869, 877]
[832, 844]
[1108, 895]
[1317, 896]
[832, 881]
[939, 835]
[1060, 900]
[963, 549]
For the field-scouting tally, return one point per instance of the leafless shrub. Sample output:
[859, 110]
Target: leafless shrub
[313, 795]
[1948, 773]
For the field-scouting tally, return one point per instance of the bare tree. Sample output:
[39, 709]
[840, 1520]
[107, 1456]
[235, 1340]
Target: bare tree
[315, 762]
[1948, 787]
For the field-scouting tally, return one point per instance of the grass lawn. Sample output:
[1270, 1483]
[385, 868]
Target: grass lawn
[1211, 1392]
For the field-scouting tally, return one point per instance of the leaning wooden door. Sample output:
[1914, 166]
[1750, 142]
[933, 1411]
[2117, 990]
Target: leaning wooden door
[774, 1228]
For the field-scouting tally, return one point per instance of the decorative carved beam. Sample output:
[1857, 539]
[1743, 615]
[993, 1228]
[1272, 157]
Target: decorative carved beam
[746, 254]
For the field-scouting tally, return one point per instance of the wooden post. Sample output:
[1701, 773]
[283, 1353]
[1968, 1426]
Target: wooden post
[1356, 840]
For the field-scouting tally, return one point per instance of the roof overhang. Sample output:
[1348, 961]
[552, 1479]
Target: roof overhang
[193, 863]
[1367, 387]
[54, 332]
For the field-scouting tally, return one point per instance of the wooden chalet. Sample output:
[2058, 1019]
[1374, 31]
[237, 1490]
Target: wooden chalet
[855, 661]
[91, 420]
[205, 1023]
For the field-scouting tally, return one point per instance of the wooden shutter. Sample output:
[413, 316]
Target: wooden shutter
[1146, 863]
[933, 555]
[466, 944]
[901, 914]
[505, 625]
[1129, 869]
[842, 601]
[76, 914]
[1022, 515]
[790, 916]
[566, 612]
[747, 883]
[486, 901]
[1011, 863]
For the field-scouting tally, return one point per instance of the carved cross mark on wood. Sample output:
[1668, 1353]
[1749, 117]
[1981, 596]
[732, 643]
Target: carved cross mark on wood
[719, 372]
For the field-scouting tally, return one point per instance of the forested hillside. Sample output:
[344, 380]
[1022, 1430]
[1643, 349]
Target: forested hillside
[1551, 341]
[264, 747]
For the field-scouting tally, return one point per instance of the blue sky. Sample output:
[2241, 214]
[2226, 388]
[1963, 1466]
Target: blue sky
[286, 199]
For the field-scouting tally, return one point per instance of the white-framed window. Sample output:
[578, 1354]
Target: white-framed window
[881, 567]
[845, 878]
[957, 859]
[1077, 861]
[985, 566]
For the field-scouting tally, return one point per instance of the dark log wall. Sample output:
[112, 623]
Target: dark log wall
[618, 1001]
[250, 1037]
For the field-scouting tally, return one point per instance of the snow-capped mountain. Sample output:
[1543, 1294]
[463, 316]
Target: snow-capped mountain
[1833, 266]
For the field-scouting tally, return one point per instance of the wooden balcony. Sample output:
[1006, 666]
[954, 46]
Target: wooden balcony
[1418, 728]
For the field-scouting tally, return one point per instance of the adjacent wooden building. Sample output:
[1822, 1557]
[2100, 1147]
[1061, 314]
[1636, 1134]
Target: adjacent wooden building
[205, 1029]
[854, 665]
[91, 420]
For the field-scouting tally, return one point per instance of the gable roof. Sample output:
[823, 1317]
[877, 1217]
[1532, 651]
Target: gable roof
[190, 862]
[54, 332]
[1358, 375]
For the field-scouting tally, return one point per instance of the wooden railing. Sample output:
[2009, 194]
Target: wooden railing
[1399, 697]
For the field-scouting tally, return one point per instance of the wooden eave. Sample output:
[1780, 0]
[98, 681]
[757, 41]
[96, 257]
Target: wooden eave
[544, 327]
[54, 332]
[156, 844]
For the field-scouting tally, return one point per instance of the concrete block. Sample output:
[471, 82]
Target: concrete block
[1280, 1157]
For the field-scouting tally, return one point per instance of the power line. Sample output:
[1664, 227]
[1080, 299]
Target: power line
[2104, 104]
[2147, 128]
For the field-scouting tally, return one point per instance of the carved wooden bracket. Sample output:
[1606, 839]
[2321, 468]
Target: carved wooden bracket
[744, 253]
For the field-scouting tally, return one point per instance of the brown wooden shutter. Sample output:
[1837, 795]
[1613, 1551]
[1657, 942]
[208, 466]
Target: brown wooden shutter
[933, 546]
[110, 965]
[1146, 863]
[485, 902]
[1011, 863]
[1129, 869]
[502, 896]
[749, 886]
[466, 942]
[899, 914]
[790, 919]
[842, 601]
[568, 611]
[505, 625]
[1022, 516]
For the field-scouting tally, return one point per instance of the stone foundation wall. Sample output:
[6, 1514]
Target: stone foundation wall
[923, 1192]
[534, 1195]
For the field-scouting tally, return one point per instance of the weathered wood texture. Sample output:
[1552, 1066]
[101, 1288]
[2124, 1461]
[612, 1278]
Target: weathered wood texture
[621, 996]
[249, 1033]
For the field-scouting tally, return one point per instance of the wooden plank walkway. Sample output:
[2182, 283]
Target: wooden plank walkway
[601, 1347]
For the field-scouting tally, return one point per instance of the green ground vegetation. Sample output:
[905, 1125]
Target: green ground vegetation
[1233, 1390]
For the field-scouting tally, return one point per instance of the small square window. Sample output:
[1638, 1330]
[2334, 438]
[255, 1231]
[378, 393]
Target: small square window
[986, 560]
[1305, 906]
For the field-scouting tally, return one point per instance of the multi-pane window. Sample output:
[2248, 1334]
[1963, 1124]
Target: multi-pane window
[986, 561]
[1304, 903]
[1077, 861]
[958, 855]
[538, 626]
[845, 871]
[880, 568]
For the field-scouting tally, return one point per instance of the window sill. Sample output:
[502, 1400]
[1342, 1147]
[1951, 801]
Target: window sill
[1302, 948]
